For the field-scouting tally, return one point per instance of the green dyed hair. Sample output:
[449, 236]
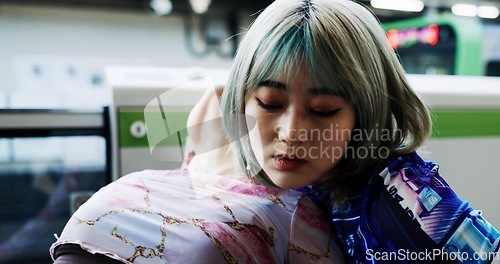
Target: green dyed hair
[343, 47]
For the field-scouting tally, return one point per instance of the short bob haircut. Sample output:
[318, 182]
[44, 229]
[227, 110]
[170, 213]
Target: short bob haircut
[343, 47]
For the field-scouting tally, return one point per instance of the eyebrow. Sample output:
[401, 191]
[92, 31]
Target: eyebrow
[283, 87]
[274, 85]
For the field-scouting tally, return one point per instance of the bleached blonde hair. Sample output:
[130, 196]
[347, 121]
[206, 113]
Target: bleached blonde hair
[343, 47]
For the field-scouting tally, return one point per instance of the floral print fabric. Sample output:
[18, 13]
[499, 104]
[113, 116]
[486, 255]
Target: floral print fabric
[194, 217]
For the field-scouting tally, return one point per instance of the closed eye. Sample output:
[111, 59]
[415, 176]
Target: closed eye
[324, 113]
[268, 107]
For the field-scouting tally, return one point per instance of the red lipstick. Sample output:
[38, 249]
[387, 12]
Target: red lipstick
[288, 163]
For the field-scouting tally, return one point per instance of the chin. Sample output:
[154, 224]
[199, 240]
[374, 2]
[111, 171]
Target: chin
[283, 183]
[285, 179]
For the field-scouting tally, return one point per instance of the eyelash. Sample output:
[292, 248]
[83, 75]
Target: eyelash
[276, 107]
[268, 107]
[324, 114]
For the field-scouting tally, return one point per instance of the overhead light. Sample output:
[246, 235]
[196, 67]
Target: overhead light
[472, 11]
[200, 6]
[161, 7]
[488, 11]
[400, 5]
[464, 10]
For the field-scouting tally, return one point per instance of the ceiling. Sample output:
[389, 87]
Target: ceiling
[430, 5]
[252, 6]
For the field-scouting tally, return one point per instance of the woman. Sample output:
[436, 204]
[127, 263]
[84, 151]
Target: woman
[334, 111]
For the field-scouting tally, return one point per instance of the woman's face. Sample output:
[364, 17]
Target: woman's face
[301, 131]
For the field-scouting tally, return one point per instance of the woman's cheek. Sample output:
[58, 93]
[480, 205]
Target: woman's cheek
[254, 124]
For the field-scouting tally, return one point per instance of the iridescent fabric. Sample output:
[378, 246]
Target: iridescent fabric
[428, 209]
[193, 217]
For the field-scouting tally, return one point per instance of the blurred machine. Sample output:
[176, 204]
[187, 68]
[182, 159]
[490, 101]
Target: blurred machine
[149, 113]
[446, 44]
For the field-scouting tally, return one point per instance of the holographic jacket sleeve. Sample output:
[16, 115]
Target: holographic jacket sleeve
[450, 222]
[411, 195]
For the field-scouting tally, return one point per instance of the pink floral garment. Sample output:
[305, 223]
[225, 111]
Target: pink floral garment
[194, 217]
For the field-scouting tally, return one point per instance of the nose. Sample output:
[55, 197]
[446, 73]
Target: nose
[293, 128]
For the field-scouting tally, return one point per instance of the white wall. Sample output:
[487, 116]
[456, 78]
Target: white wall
[469, 164]
[59, 35]
[470, 167]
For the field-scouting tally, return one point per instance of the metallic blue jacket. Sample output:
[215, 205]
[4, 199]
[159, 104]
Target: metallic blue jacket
[408, 214]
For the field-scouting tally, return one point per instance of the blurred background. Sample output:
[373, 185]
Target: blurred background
[76, 76]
